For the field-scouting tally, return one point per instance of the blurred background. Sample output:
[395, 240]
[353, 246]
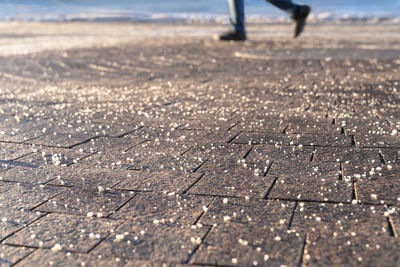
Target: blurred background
[200, 11]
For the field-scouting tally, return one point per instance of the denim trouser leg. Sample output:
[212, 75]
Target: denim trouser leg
[236, 11]
[236, 15]
[286, 5]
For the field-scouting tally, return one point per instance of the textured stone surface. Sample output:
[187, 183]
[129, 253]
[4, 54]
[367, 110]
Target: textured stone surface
[232, 179]
[82, 176]
[274, 214]
[10, 255]
[164, 208]
[48, 257]
[64, 232]
[25, 196]
[159, 181]
[341, 218]
[321, 139]
[98, 202]
[347, 155]
[263, 138]
[350, 250]
[13, 220]
[155, 242]
[203, 152]
[312, 181]
[287, 153]
[249, 245]
[29, 175]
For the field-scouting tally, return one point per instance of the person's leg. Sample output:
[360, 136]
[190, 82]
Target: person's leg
[236, 18]
[298, 13]
[286, 5]
[236, 15]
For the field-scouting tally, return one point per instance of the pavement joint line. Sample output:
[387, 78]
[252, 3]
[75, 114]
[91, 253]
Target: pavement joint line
[193, 184]
[234, 137]
[233, 126]
[381, 157]
[248, 152]
[354, 191]
[43, 214]
[204, 211]
[123, 204]
[391, 227]
[312, 154]
[193, 253]
[47, 200]
[24, 257]
[201, 165]
[302, 250]
[269, 168]
[292, 215]
[340, 176]
[270, 188]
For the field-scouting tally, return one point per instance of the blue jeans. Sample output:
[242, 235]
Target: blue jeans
[236, 11]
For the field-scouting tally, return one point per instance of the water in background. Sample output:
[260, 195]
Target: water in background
[187, 10]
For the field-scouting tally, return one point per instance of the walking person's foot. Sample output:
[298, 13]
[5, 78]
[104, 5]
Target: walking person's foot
[300, 18]
[233, 36]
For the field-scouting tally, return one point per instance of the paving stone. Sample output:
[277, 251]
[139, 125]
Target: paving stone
[169, 162]
[63, 139]
[5, 164]
[13, 220]
[164, 208]
[232, 178]
[355, 124]
[312, 181]
[262, 138]
[62, 232]
[25, 196]
[383, 191]
[9, 151]
[211, 150]
[369, 172]
[335, 140]
[182, 136]
[341, 218]
[155, 148]
[166, 134]
[347, 155]
[15, 129]
[214, 124]
[391, 156]
[47, 257]
[159, 181]
[152, 242]
[109, 144]
[88, 202]
[10, 255]
[261, 124]
[249, 246]
[375, 140]
[54, 156]
[350, 250]
[232, 211]
[109, 160]
[79, 175]
[312, 126]
[28, 175]
[283, 153]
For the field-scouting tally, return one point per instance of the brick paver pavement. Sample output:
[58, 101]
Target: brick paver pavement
[155, 145]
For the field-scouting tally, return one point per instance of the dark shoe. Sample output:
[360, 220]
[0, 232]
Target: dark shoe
[300, 19]
[233, 36]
